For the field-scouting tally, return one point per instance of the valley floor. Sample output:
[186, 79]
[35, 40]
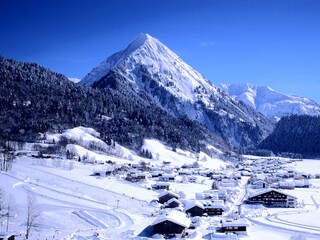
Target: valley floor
[73, 204]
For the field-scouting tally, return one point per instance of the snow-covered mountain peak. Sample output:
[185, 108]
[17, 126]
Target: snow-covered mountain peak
[171, 72]
[270, 102]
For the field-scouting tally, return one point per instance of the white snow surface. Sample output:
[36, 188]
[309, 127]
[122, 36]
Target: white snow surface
[75, 80]
[161, 153]
[175, 75]
[270, 102]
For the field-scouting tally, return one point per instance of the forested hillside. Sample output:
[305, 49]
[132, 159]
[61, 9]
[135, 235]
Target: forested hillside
[34, 99]
[295, 134]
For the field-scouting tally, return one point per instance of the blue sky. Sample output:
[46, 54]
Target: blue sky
[274, 43]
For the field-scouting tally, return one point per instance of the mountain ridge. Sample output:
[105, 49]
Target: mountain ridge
[270, 102]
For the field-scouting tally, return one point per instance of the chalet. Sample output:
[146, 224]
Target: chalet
[303, 183]
[238, 226]
[286, 185]
[273, 198]
[208, 195]
[258, 184]
[161, 186]
[155, 174]
[213, 208]
[185, 172]
[172, 222]
[228, 183]
[172, 203]
[166, 196]
[137, 176]
[246, 173]
[7, 236]
[194, 208]
[167, 177]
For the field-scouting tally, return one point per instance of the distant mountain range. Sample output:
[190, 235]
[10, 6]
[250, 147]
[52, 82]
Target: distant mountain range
[270, 102]
[149, 70]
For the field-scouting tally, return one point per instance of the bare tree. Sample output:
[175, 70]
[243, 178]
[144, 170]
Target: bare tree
[33, 214]
[9, 208]
[2, 205]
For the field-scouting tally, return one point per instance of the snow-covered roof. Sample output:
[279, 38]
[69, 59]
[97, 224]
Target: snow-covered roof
[174, 216]
[213, 204]
[172, 200]
[268, 190]
[192, 203]
[258, 181]
[168, 192]
[5, 234]
[234, 223]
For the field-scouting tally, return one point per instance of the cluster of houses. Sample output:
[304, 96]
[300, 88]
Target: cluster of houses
[265, 180]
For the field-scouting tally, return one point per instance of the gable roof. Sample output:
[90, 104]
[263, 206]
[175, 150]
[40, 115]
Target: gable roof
[172, 200]
[174, 216]
[191, 204]
[170, 193]
[269, 190]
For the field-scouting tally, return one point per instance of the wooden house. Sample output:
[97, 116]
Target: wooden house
[273, 198]
[259, 184]
[167, 177]
[172, 203]
[7, 236]
[238, 226]
[208, 195]
[286, 185]
[161, 186]
[166, 196]
[171, 222]
[194, 208]
[214, 208]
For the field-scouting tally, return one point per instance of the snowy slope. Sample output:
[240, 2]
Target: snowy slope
[179, 157]
[175, 75]
[270, 102]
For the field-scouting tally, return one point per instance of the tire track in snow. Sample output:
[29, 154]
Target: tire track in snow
[306, 226]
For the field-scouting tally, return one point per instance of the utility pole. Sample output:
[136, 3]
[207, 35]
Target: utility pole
[118, 203]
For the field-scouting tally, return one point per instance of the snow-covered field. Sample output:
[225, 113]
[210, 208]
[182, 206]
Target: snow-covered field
[72, 201]
[74, 204]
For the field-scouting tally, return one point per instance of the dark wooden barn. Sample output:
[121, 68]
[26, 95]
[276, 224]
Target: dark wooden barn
[172, 222]
[172, 203]
[194, 209]
[166, 196]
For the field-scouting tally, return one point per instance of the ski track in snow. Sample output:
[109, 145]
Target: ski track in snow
[116, 220]
[285, 225]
